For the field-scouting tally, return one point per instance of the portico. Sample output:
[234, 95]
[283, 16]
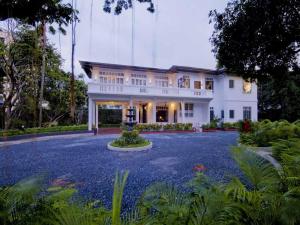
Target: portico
[152, 110]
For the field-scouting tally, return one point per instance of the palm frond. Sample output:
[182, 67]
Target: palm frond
[260, 172]
[119, 185]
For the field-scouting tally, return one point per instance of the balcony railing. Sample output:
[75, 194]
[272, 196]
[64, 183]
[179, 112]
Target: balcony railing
[98, 88]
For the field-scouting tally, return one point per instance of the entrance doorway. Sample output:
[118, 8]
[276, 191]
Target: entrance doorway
[110, 116]
[143, 116]
[162, 114]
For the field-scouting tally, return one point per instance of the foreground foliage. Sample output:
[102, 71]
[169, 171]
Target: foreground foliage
[265, 132]
[267, 196]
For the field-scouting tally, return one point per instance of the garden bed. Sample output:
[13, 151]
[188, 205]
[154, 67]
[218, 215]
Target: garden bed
[229, 129]
[209, 129]
[43, 130]
[130, 148]
[157, 127]
[129, 141]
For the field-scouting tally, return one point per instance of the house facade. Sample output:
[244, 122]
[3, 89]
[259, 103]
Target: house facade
[176, 95]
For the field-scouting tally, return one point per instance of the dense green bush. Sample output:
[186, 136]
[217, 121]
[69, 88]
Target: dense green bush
[43, 130]
[230, 125]
[162, 127]
[130, 139]
[264, 132]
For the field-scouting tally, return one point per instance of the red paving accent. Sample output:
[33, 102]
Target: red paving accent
[113, 130]
[102, 131]
[168, 132]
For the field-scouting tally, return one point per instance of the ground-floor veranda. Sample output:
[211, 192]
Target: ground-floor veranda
[156, 110]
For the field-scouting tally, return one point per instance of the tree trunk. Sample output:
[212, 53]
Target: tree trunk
[72, 88]
[42, 73]
[72, 78]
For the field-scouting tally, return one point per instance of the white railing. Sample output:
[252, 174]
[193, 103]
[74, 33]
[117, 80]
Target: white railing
[97, 88]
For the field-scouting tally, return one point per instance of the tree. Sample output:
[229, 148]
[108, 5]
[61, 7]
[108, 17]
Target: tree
[260, 39]
[120, 5]
[15, 66]
[39, 13]
[22, 107]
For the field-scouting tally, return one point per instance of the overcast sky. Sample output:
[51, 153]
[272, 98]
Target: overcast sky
[176, 34]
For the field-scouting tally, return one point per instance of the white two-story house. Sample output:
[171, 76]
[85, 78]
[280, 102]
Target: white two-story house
[176, 95]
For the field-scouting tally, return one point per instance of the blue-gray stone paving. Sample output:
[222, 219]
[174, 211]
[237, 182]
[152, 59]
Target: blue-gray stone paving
[87, 162]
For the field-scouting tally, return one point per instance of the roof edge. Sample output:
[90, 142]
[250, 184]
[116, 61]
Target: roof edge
[87, 67]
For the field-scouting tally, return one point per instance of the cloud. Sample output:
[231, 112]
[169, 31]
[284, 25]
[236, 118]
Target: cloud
[179, 35]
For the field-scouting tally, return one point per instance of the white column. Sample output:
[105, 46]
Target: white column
[182, 112]
[123, 113]
[137, 113]
[93, 114]
[154, 112]
[130, 103]
[97, 115]
[90, 111]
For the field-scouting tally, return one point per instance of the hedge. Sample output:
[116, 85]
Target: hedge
[164, 127]
[263, 133]
[37, 130]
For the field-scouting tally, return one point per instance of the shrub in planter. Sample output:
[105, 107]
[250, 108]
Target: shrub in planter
[205, 126]
[169, 126]
[155, 127]
[129, 138]
[188, 126]
[230, 125]
[179, 126]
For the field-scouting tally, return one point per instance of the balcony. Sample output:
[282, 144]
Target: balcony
[130, 90]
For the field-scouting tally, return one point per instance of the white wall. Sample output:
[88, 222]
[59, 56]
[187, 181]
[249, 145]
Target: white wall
[226, 98]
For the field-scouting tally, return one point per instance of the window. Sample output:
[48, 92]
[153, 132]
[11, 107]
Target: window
[231, 83]
[184, 82]
[197, 84]
[247, 113]
[209, 83]
[222, 114]
[231, 114]
[111, 78]
[138, 79]
[247, 87]
[189, 110]
[161, 81]
[211, 113]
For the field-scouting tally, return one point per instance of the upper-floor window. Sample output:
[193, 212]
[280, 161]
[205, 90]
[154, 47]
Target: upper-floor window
[209, 83]
[247, 87]
[111, 78]
[231, 83]
[184, 82]
[247, 113]
[161, 81]
[138, 79]
[197, 84]
[231, 114]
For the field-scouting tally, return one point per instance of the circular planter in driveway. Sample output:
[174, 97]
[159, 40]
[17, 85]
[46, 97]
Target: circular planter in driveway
[134, 149]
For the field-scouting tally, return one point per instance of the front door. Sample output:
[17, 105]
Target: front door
[144, 113]
[162, 114]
